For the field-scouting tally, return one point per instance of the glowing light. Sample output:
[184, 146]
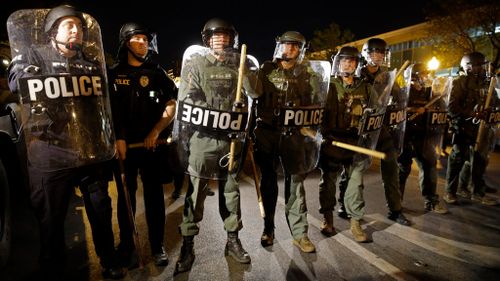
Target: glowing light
[433, 64]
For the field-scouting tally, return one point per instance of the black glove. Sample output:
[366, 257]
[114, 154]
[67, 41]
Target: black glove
[31, 69]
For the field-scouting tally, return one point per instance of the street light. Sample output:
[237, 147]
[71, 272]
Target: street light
[433, 64]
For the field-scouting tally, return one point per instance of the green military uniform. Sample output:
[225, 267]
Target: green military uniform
[280, 86]
[344, 108]
[210, 84]
[389, 167]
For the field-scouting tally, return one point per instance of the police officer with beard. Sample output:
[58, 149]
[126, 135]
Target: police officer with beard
[420, 95]
[143, 106]
[467, 98]
[57, 134]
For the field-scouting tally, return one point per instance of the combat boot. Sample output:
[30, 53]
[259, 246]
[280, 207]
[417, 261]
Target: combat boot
[357, 231]
[398, 217]
[327, 225]
[186, 257]
[235, 249]
[435, 207]
[267, 238]
[342, 213]
[305, 244]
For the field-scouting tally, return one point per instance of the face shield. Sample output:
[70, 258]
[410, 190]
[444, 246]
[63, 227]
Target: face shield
[289, 50]
[377, 57]
[345, 66]
[422, 79]
[478, 69]
[153, 43]
[475, 64]
[220, 41]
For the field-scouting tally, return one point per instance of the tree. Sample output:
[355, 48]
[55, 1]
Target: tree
[460, 26]
[325, 41]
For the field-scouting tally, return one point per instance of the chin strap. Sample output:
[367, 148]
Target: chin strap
[68, 45]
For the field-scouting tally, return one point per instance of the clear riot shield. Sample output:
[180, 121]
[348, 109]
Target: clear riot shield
[487, 136]
[304, 93]
[373, 116]
[436, 116]
[395, 116]
[66, 110]
[208, 118]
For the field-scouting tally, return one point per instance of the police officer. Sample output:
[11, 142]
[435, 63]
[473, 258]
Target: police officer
[143, 106]
[284, 79]
[57, 134]
[377, 57]
[208, 83]
[467, 98]
[420, 95]
[5, 95]
[347, 98]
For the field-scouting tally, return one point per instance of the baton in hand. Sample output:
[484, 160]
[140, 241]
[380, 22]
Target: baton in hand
[482, 126]
[131, 216]
[158, 142]
[257, 180]
[426, 106]
[370, 152]
[239, 85]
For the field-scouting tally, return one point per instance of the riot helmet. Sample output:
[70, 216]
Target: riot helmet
[293, 38]
[4, 65]
[372, 52]
[5, 59]
[218, 25]
[346, 62]
[54, 17]
[419, 75]
[474, 63]
[59, 12]
[127, 31]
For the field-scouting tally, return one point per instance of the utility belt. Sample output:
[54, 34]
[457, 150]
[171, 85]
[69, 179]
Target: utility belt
[267, 125]
[275, 128]
[215, 135]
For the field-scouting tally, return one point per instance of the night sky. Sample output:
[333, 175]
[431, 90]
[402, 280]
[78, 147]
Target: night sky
[257, 22]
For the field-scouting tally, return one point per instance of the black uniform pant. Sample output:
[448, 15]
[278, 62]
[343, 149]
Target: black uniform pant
[147, 164]
[268, 186]
[50, 196]
[426, 161]
[460, 153]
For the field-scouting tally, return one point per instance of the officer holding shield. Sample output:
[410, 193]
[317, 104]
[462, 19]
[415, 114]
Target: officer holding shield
[64, 93]
[347, 100]
[288, 83]
[377, 57]
[210, 120]
[466, 109]
[143, 99]
[420, 133]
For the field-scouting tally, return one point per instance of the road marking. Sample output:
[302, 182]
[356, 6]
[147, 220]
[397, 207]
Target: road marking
[465, 252]
[362, 252]
[174, 206]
